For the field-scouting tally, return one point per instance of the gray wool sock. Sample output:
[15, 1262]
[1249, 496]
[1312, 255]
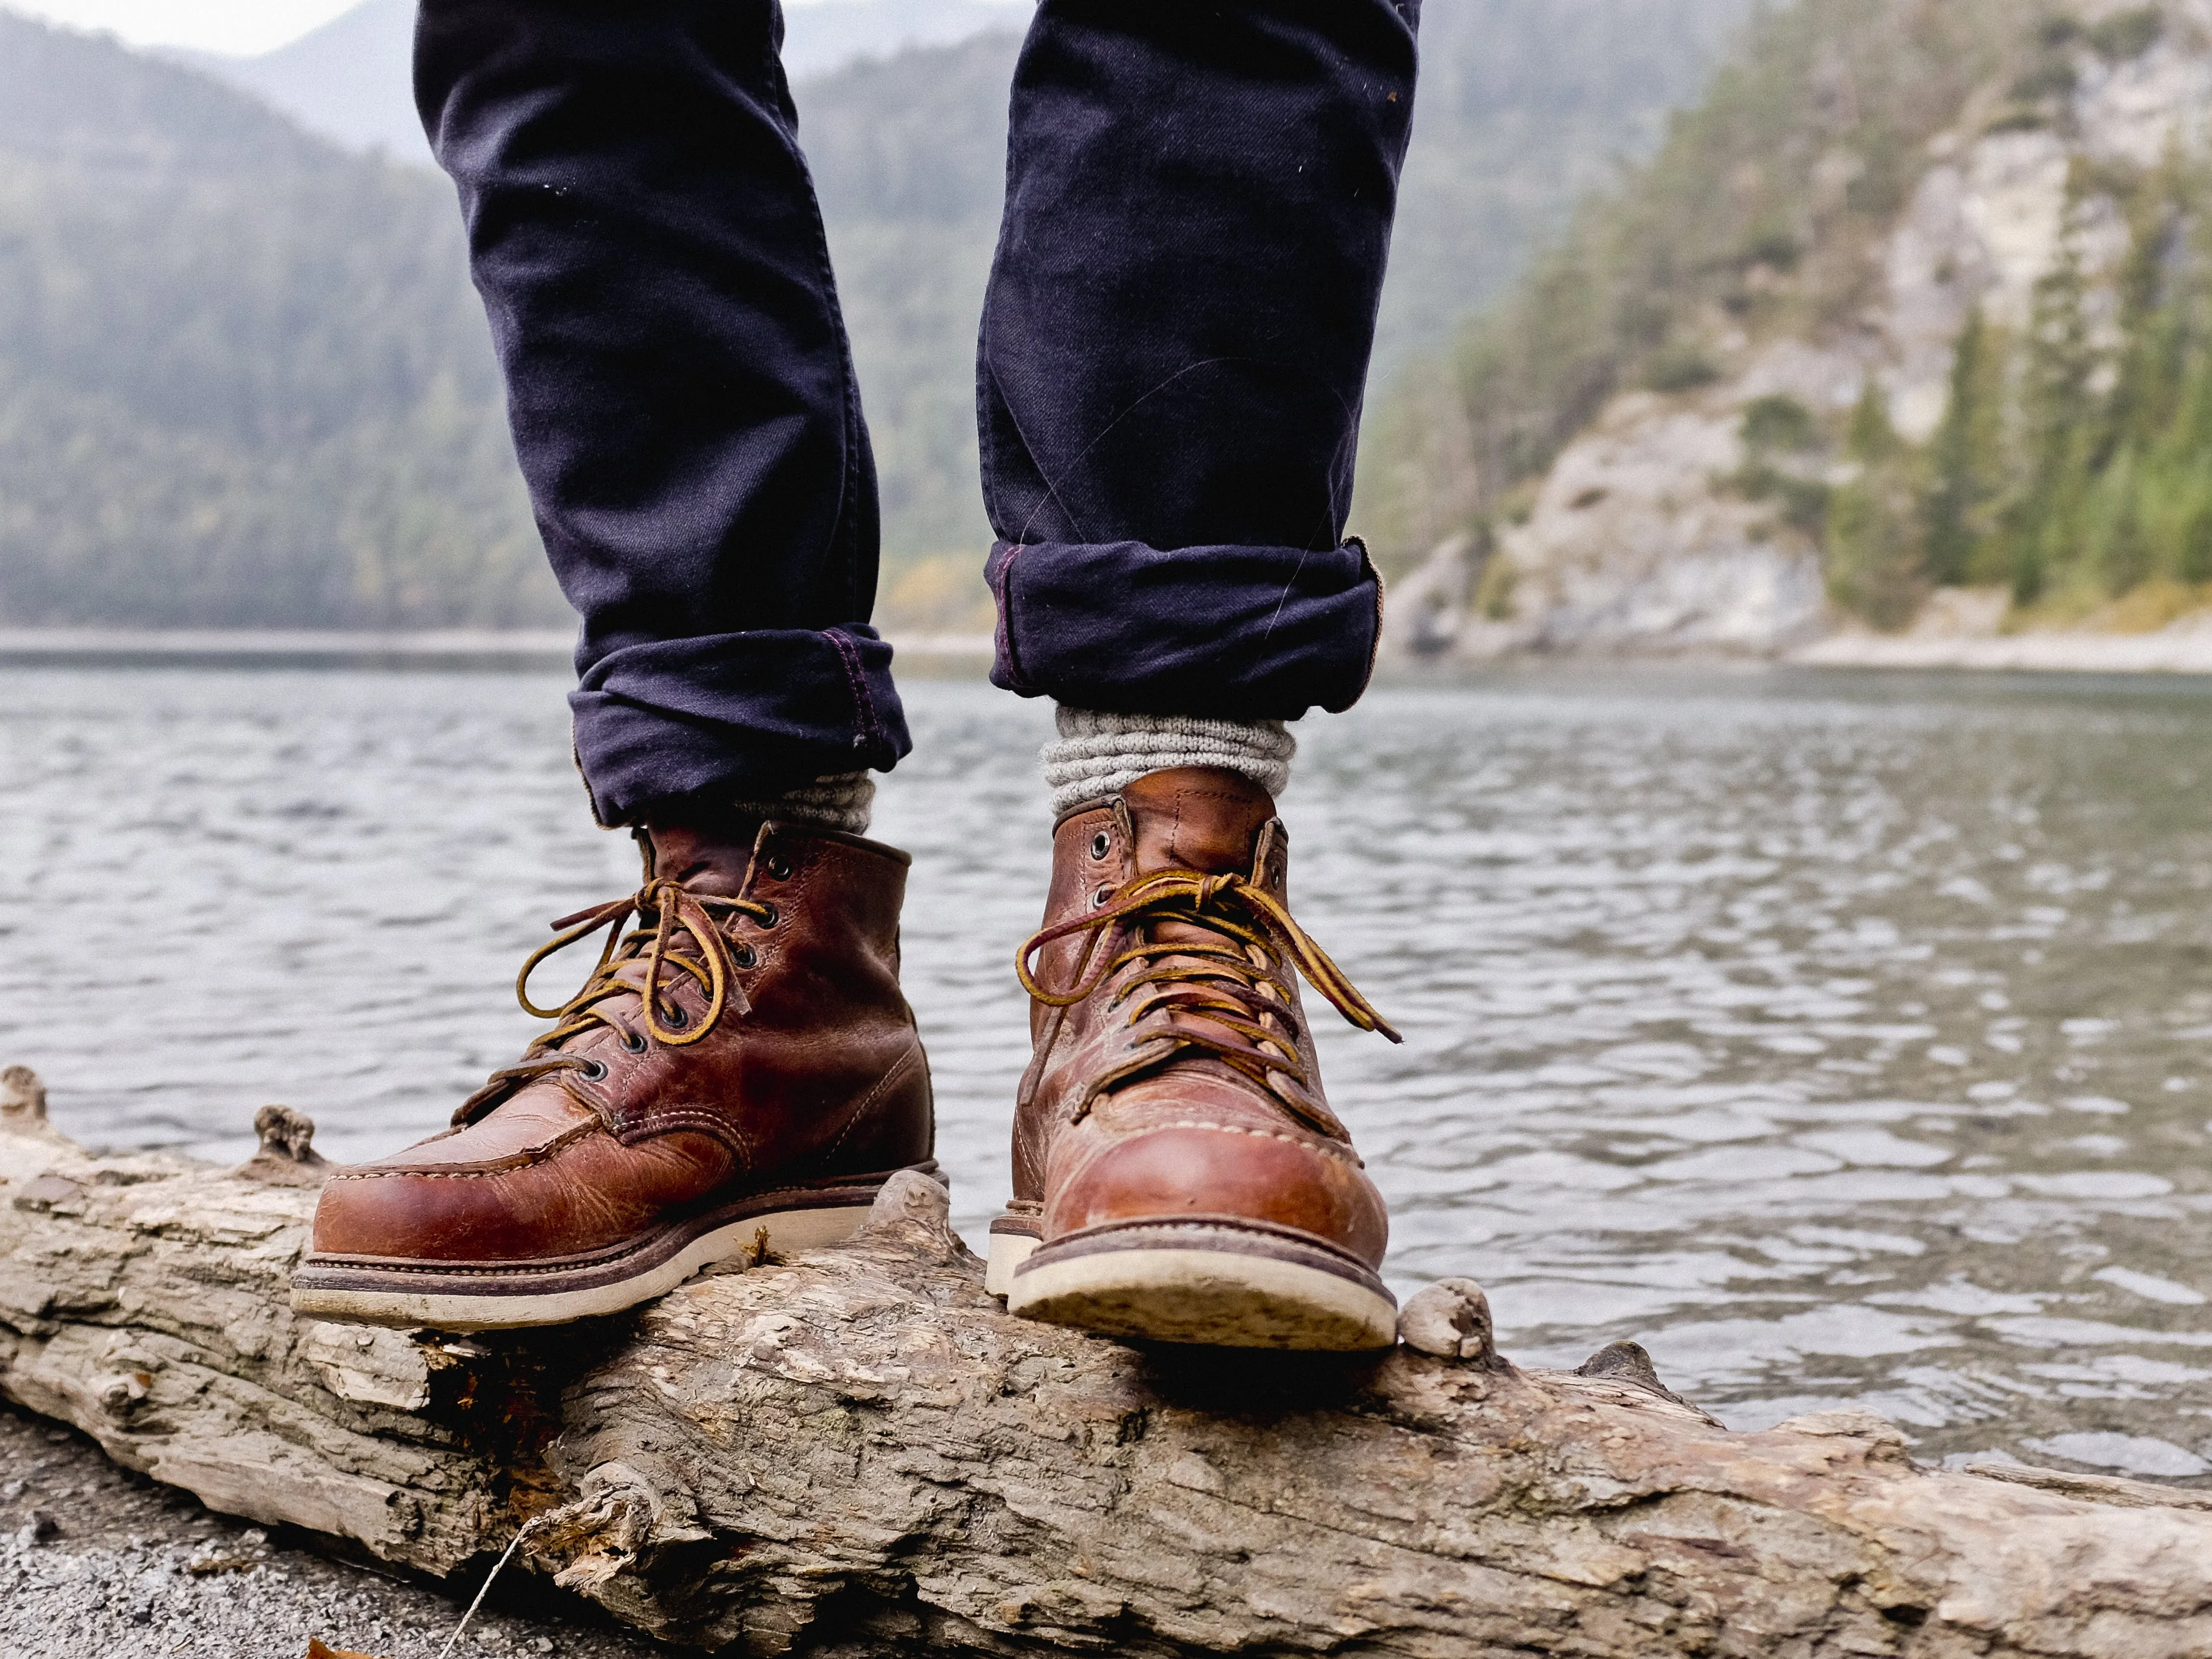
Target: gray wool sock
[1097, 753]
[845, 800]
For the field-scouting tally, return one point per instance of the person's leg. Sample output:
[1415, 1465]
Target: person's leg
[1171, 367]
[643, 232]
[742, 1067]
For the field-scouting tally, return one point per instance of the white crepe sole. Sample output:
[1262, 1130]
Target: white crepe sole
[1220, 1299]
[1008, 1252]
[787, 1231]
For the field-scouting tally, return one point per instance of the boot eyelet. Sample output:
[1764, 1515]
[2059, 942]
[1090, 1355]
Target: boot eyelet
[634, 1041]
[1098, 900]
[676, 1020]
[744, 956]
[773, 916]
[594, 1070]
[1100, 845]
[778, 866]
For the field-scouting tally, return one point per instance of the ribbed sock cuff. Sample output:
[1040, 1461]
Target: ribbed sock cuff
[845, 801]
[1097, 753]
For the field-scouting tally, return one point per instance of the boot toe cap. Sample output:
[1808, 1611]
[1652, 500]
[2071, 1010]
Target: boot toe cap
[395, 1216]
[585, 1194]
[1196, 1169]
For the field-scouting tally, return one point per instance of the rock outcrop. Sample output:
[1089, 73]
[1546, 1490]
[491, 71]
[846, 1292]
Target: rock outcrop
[1664, 526]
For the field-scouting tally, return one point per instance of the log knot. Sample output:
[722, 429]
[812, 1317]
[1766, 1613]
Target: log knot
[913, 1212]
[122, 1395]
[1626, 1362]
[627, 1510]
[1449, 1319]
[22, 1098]
[1622, 1374]
[287, 1156]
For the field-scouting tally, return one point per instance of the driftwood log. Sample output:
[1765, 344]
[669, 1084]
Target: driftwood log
[856, 1452]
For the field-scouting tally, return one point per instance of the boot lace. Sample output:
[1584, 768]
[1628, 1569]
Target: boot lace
[678, 933]
[1228, 981]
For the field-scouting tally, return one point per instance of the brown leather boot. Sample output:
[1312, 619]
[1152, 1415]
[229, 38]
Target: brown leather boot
[742, 1072]
[1178, 1173]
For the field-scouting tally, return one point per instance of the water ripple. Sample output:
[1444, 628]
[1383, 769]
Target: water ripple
[1838, 1038]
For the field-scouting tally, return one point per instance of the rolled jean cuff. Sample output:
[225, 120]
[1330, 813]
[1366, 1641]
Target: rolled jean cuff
[733, 716]
[1239, 633]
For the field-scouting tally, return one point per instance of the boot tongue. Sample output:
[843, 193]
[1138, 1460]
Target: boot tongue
[708, 859]
[1201, 818]
[1197, 817]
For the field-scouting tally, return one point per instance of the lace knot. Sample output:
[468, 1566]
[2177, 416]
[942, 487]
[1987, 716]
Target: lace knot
[1223, 982]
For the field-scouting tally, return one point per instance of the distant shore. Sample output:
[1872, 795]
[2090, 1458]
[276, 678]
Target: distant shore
[2068, 653]
[1963, 627]
[2183, 648]
[186, 646]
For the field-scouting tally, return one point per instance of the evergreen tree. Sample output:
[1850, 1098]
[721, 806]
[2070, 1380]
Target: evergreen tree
[1874, 550]
[1964, 457]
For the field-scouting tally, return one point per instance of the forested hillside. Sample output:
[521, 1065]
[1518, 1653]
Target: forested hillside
[1524, 107]
[1920, 297]
[243, 380]
[909, 159]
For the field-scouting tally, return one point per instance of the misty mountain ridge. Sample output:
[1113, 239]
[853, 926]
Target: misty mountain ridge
[349, 79]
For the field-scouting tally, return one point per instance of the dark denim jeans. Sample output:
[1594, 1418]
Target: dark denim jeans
[1173, 354]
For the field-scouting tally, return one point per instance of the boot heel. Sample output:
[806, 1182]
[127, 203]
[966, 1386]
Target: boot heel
[1014, 1240]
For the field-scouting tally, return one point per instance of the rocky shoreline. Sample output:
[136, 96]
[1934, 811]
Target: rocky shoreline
[1435, 619]
[2183, 648]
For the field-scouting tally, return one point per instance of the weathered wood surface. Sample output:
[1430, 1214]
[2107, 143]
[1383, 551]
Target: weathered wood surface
[857, 1452]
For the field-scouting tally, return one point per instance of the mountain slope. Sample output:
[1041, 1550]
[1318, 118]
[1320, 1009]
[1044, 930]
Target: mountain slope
[349, 80]
[908, 156]
[240, 381]
[1921, 298]
[1522, 111]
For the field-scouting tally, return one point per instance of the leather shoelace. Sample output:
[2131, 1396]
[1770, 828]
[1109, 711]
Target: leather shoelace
[1228, 984]
[667, 914]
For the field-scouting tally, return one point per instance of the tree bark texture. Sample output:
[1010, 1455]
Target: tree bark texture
[857, 1452]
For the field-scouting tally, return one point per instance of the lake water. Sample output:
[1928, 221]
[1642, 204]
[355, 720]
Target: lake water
[1840, 1038]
